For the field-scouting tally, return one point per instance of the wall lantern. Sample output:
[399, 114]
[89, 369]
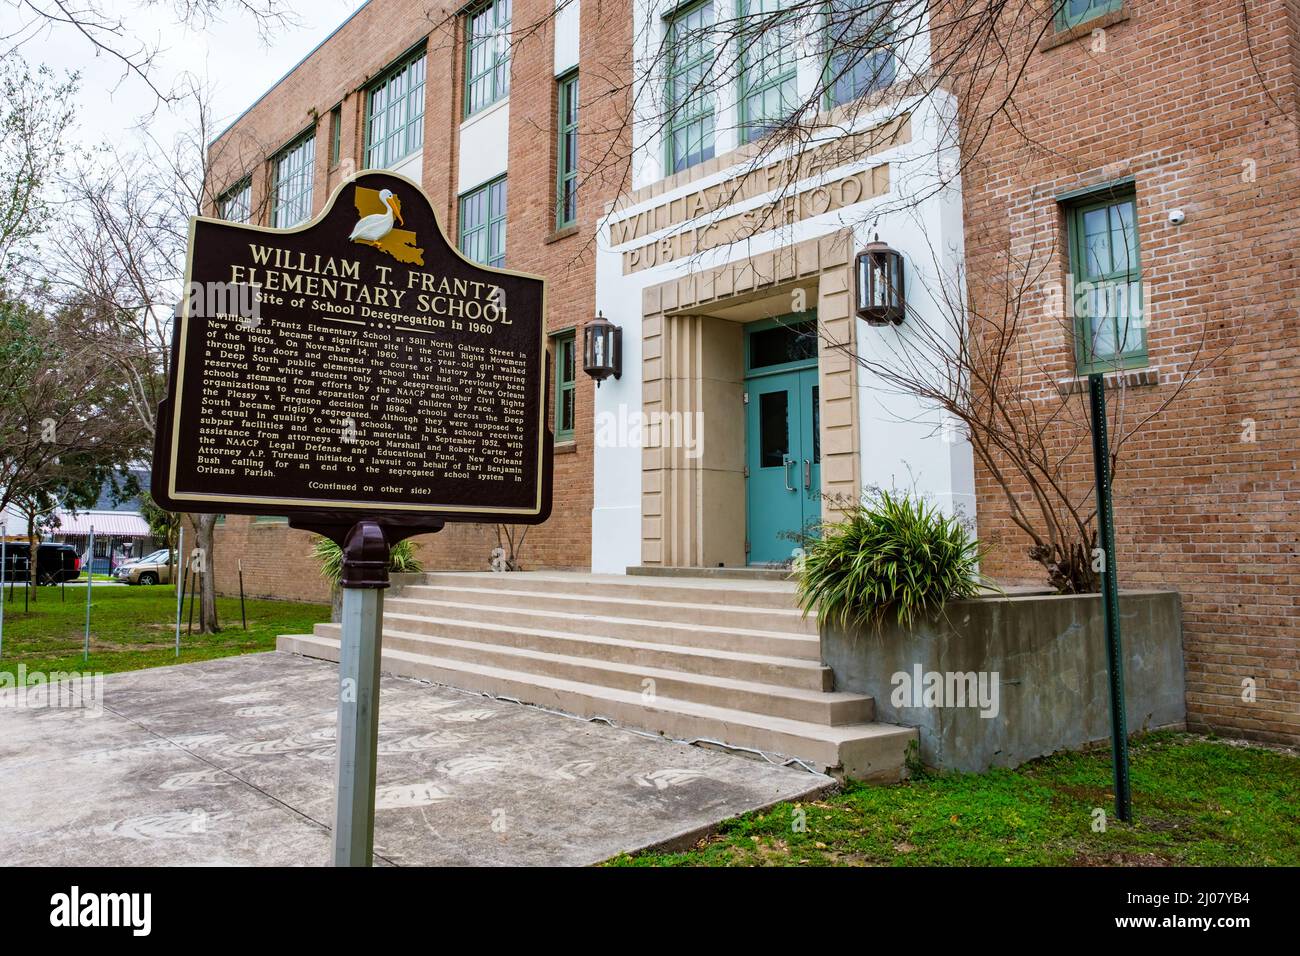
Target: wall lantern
[880, 284]
[602, 349]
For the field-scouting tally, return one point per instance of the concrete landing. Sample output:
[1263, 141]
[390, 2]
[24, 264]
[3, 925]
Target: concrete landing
[232, 762]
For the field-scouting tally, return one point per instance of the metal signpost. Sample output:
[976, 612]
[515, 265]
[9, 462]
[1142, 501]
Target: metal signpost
[363, 378]
[1110, 598]
[90, 580]
[180, 593]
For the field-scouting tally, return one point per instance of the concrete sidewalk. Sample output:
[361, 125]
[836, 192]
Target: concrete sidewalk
[232, 762]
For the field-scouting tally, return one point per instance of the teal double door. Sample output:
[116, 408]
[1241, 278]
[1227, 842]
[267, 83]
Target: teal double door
[782, 437]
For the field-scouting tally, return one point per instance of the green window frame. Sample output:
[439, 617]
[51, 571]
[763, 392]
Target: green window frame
[859, 54]
[483, 223]
[336, 134]
[566, 384]
[295, 171]
[270, 519]
[487, 55]
[236, 203]
[692, 52]
[1072, 13]
[768, 65]
[1106, 282]
[566, 152]
[395, 112]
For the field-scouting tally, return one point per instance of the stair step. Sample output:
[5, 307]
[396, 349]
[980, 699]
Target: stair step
[804, 647]
[738, 593]
[757, 668]
[783, 620]
[864, 750]
[795, 703]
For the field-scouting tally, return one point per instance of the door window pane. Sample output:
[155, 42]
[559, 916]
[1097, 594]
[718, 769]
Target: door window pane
[773, 429]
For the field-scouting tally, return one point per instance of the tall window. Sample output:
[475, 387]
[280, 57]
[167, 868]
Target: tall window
[336, 135]
[768, 93]
[1110, 326]
[566, 153]
[487, 55]
[236, 203]
[395, 114]
[483, 223]
[1071, 13]
[691, 53]
[859, 59]
[295, 169]
[566, 380]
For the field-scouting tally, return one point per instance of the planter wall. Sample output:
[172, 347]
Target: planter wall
[1049, 654]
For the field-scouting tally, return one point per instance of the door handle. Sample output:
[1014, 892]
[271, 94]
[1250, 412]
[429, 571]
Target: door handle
[807, 475]
[788, 461]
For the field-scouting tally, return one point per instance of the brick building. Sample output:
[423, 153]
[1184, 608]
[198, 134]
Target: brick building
[713, 249]
[1181, 117]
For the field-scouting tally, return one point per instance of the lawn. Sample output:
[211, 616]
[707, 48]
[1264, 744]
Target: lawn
[134, 627]
[1197, 802]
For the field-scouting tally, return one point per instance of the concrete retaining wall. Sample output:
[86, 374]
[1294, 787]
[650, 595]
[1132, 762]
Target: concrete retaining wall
[1049, 654]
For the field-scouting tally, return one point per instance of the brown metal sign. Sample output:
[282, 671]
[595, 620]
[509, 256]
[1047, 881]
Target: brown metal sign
[356, 366]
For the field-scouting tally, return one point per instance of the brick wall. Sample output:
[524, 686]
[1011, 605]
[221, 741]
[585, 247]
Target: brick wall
[275, 557]
[1173, 95]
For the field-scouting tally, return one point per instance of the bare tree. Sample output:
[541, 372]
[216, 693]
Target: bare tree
[981, 366]
[107, 32]
[120, 248]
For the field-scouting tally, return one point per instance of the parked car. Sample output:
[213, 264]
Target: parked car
[54, 562]
[151, 569]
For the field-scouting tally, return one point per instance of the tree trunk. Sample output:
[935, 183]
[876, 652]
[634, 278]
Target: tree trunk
[204, 537]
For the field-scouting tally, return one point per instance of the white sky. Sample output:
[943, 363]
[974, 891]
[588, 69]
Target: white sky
[226, 54]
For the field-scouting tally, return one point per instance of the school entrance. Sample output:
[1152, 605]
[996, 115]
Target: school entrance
[782, 437]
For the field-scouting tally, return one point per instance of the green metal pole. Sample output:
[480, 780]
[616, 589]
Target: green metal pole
[1110, 598]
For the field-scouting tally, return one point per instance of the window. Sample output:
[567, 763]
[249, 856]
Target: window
[270, 519]
[566, 154]
[483, 223]
[295, 168]
[859, 60]
[1110, 327]
[487, 56]
[767, 66]
[690, 100]
[395, 114]
[236, 203]
[1071, 13]
[566, 379]
[336, 134]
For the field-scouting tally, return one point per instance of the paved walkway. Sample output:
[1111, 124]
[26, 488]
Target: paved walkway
[232, 762]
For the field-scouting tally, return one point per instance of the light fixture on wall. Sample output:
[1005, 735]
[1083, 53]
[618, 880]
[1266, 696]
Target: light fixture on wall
[602, 349]
[881, 298]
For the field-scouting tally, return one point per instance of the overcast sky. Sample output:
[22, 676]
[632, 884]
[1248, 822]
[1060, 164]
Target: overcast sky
[227, 54]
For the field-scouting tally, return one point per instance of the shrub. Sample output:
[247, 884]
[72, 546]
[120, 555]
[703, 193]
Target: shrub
[401, 557]
[892, 557]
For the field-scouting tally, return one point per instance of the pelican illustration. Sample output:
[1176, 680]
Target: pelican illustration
[370, 229]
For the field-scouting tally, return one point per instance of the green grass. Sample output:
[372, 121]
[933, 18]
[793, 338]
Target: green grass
[1196, 802]
[134, 627]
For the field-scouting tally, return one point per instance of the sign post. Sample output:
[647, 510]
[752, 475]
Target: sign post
[90, 581]
[1110, 598]
[361, 377]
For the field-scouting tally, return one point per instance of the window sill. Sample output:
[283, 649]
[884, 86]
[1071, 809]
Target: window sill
[559, 234]
[1081, 30]
[567, 447]
[1132, 378]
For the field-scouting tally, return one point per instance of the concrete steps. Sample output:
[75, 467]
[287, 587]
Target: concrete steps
[730, 661]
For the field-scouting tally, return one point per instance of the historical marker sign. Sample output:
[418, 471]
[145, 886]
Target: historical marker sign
[357, 365]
